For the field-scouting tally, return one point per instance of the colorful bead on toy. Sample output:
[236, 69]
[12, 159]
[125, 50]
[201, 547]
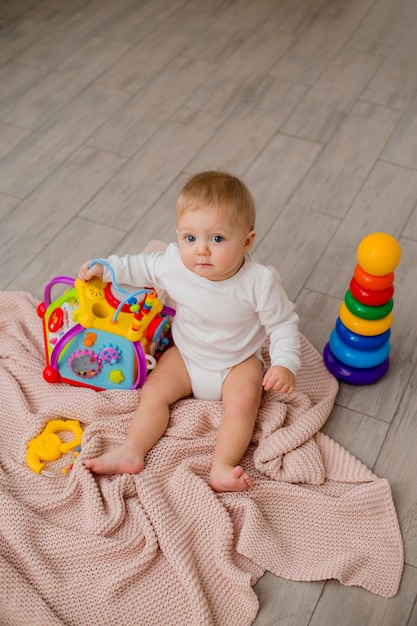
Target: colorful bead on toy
[358, 348]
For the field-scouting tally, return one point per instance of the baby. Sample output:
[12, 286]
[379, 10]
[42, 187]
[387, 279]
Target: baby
[227, 304]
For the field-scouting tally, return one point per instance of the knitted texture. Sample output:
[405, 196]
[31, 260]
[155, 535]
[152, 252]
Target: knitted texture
[161, 547]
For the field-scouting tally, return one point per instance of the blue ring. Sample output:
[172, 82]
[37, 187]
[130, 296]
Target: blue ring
[361, 359]
[353, 375]
[361, 342]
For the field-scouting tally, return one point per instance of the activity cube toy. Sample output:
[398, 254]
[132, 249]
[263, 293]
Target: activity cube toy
[358, 348]
[101, 336]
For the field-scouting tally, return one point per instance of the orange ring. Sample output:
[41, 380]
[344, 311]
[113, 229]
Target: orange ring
[374, 283]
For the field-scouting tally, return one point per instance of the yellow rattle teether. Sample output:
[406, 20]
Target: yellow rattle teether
[49, 447]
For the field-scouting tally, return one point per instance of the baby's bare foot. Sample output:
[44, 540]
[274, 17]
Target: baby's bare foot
[120, 460]
[229, 478]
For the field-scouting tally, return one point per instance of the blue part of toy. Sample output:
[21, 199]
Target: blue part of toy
[85, 362]
[361, 342]
[353, 375]
[361, 359]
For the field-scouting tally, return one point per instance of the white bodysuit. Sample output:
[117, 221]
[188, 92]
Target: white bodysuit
[218, 324]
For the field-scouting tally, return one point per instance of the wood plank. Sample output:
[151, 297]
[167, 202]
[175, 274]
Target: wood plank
[7, 204]
[384, 26]
[10, 137]
[53, 91]
[401, 149]
[285, 602]
[362, 435]
[347, 606]
[69, 33]
[36, 221]
[157, 223]
[253, 124]
[78, 241]
[318, 313]
[276, 174]
[347, 160]
[144, 60]
[145, 112]
[254, 57]
[332, 97]
[137, 186]
[39, 154]
[394, 83]
[16, 80]
[142, 18]
[294, 243]
[320, 42]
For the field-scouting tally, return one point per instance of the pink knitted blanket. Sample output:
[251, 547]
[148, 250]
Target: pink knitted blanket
[162, 547]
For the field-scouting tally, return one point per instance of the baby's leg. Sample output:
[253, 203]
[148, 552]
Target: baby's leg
[242, 392]
[168, 383]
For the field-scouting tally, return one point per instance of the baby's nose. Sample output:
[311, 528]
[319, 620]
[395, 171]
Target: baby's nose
[203, 248]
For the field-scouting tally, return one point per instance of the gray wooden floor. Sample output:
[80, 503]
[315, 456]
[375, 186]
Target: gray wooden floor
[106, 107]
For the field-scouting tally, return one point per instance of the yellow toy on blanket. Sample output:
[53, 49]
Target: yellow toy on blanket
[49, 447]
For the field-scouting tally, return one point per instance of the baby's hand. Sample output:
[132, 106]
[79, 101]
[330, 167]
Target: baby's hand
[280, 379]
[85, 273]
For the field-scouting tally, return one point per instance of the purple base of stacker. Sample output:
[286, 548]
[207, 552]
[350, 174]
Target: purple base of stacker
[353, 375]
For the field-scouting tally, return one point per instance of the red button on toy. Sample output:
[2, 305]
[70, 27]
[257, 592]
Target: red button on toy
[56, 319]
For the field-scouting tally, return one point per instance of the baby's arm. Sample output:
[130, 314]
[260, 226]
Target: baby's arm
[134, 270]
[280, 379]
[278, 316]
[85, 273]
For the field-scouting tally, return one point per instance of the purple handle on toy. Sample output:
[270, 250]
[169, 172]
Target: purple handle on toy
[65, 339]
[142, 365]
[167, 310]
[67, 280]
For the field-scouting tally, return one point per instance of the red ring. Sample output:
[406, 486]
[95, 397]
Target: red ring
[368, 296]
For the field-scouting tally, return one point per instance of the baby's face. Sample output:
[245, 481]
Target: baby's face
[211, 244]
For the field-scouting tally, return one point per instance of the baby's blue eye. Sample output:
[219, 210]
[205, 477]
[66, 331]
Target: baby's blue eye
[190, 238]
[218, 238]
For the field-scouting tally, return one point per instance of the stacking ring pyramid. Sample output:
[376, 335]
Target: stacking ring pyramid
[358, 348]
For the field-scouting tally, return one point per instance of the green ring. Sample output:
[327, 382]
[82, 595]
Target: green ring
[366, 312]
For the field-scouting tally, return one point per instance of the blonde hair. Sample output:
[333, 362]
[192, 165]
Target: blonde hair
[221, 190]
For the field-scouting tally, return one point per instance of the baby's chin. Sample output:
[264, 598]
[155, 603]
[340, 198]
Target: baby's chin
[205, 271]
[209, 272]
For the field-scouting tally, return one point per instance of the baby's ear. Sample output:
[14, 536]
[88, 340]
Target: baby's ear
[250, 238]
